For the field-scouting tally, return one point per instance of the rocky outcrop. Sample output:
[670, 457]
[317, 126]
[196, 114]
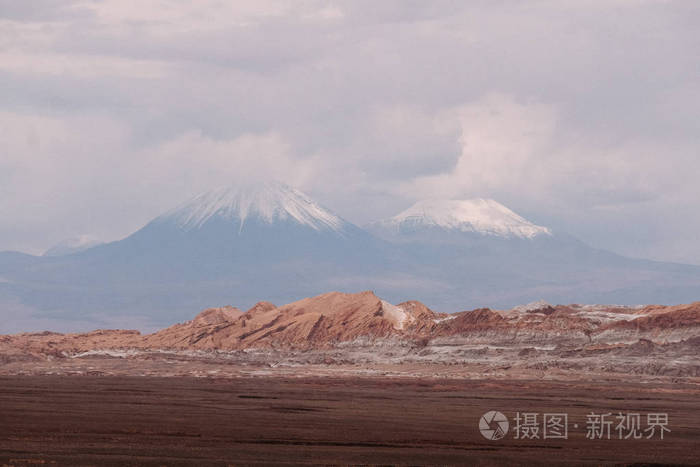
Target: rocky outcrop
[335, 319]
[322, 321]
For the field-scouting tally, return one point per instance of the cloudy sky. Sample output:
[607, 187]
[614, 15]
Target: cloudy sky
[582, 116]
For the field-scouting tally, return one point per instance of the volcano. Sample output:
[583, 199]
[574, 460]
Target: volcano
[234, 244]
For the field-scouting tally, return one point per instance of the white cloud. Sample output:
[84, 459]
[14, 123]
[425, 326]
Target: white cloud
[504, 143]
[193, 162]
[509, 146]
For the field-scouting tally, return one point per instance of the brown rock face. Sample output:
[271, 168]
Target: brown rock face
[320, 321]
[185, 335]
[213, 316]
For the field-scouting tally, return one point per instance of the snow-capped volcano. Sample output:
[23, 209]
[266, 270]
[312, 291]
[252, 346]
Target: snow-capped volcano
[267, 202]
[248, 227]
[479, 216]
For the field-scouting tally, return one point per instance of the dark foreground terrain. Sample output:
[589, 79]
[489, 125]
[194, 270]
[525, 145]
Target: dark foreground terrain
[90, 420]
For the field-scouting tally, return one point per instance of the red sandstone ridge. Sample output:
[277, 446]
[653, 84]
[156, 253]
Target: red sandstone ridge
[212, 316]
[52, 343]
[340, 319]
[320, 321]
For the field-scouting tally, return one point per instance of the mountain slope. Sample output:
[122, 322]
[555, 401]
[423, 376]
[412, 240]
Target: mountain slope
[231, 244]
[72, 245]
[482, 253]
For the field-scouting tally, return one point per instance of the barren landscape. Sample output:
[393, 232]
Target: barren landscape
[350, 378]
[360, 334]
[285, 420]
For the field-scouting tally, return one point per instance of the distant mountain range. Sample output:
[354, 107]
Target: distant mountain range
[235, 245]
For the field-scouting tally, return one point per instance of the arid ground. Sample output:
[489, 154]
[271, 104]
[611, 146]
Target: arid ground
[351, 379]
[122, 420]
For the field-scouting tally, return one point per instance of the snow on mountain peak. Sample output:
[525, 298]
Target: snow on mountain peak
[268, 201]
[483, 216]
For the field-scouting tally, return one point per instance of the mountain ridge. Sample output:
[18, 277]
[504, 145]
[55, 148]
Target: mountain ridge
[277, 242]
[339, 320]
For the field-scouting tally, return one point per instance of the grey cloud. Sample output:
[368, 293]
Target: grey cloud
[365, 98]
[42, 10]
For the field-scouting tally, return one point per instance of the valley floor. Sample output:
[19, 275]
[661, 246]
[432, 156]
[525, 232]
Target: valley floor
[282, 418]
